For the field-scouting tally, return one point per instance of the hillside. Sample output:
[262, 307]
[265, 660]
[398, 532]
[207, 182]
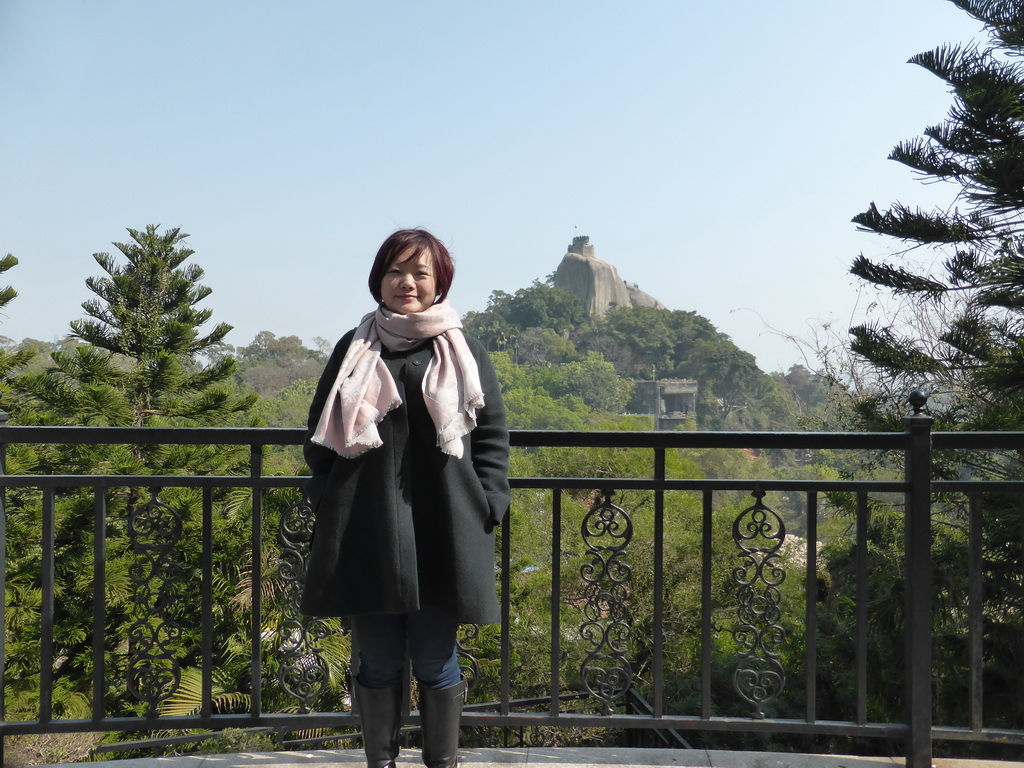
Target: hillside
[544, 327]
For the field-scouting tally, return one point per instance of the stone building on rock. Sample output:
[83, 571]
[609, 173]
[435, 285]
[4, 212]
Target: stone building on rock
[597, 282]
[671, 402]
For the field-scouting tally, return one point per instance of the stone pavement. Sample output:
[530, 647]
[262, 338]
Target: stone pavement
[566, 757]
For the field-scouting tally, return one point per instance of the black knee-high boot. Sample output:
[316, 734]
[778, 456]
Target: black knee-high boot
[440, 713]
[379, 710]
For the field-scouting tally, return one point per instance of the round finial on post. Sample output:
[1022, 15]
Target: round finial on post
[918, 400]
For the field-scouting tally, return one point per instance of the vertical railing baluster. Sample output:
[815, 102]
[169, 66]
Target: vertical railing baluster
[918, 560]
[256, 630]
[154, 646]
[759, 533]
[206, 707]
[469, 666]
[99, 599]
[975, 631]
[659, 583]
[811, 612]
[861, 611]
[606, 672]
[302, 672]
[46, 625]
[556, 600]
[705, 606]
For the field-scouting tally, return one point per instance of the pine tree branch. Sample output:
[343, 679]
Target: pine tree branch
[885, 350]
[898, 279]
[916, 226]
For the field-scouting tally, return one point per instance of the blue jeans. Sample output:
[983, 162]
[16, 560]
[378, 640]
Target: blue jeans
[428, 635]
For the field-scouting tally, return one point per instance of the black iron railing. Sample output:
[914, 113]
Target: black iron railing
[612, 622]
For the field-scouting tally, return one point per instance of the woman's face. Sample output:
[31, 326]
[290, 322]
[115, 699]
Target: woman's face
[409, 284]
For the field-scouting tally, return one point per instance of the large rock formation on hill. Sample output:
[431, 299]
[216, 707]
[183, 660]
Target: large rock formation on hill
[597, 282]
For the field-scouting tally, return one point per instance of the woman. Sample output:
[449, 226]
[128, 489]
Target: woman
[408, 449]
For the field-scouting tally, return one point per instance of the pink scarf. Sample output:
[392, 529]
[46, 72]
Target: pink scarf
[364, 390]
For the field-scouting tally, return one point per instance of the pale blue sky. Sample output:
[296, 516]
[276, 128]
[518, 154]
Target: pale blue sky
[713, 152]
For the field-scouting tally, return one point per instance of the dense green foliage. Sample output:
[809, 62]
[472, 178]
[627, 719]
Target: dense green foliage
[140, 359]
[545, 327]
[11, 360]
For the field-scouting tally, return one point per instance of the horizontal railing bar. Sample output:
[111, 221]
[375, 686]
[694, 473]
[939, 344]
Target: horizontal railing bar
[694, 484]
[168, 741]
[153, 435]
[151, 481]
[998, 735]
[533, 700]
[680, 722]
[546, 483]
[978, 440]
[550, 438]
[977, 486]
[185, 722]
[518, 437]
[293, 721]
[290, 745]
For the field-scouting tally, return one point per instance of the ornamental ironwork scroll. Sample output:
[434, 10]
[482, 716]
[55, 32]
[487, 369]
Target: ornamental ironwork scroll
[468, 664]
[606, 673]
[759, 534]
[154, 636]
[303, 672]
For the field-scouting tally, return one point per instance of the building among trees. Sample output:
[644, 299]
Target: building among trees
[670, 401]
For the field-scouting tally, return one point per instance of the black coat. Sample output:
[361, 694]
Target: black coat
[405, 526]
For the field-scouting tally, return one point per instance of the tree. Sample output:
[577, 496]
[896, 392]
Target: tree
[641, 341]
[959, 335]
[544, 306]
[538, 346]
[270, 363]
[539, 306]
[635, 339]
[491, 326]
[974, 354]
[10, 359]
[592, 379]
[7, 293]
[132, 361]
[810, 390]
[138, 365]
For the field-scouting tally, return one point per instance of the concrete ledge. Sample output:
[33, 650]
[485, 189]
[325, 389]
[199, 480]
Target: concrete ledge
[570, 757]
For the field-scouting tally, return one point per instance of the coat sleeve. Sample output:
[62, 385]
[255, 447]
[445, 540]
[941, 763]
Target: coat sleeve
[489, 440]
[318, 458]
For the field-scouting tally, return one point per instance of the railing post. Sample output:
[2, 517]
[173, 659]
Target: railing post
[918, 572]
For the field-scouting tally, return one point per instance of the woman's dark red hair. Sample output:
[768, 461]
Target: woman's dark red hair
[419, 240]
